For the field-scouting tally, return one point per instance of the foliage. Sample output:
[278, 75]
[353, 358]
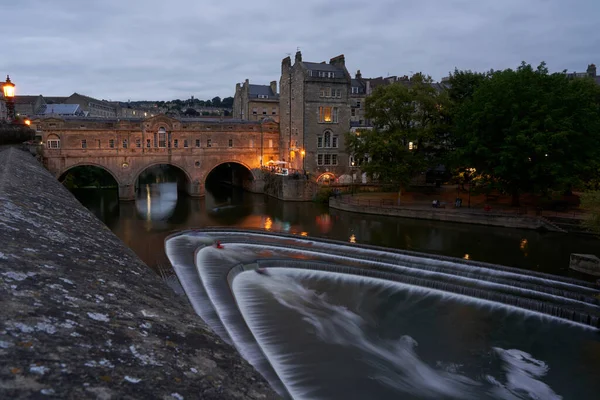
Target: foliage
[528, 130]
[15, 133]
[590, 201]
[323, 195]
[409, 129]
[88, 176]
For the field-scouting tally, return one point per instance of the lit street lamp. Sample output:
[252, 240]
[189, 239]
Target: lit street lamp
[9, 94]
[303, 153]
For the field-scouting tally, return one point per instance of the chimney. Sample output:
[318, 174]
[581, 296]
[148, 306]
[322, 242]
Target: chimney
[274, 87]
[298, 56]
[286, 64]
[358, 74]
[339, 61]
[247, 82]
[591, 70]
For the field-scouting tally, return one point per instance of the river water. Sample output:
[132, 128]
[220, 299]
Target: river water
[159, 211]
[348, 337]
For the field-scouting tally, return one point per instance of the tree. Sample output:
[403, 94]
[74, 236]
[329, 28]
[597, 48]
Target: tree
[590, 201]
[530, 131]
[190, 112]
[409, 127]
[227, 102]
[216, 101]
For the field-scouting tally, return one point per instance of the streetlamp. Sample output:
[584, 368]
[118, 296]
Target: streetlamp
[9, 94]
[303, 153]
[471, 170]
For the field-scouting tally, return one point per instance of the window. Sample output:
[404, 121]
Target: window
[338, 93]
[175, 143]
[328, 114]
[353, 112]
[358, 104]
[185, 143]
[124, 143]
[410, 145]
[84, 144]
[162, 137]
[111, 143]
[148, 143]
[274, 111]
[54, 144]
[328, 92]
[334, 159]
[208, 142]
[334, 142]
[322, 93]
[264, 111]
[319, 141]
[327, 159]
[230, 143]
[354, 90]
[327, 139]
[270, 143]
[251, 142]
[263, 96]
[138, 143]
[197, 142]
[255, 111]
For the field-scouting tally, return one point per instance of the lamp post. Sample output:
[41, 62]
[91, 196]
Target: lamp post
[303, 153]
[9, 94]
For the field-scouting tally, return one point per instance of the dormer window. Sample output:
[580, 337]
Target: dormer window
[263, 96]
[354, 90]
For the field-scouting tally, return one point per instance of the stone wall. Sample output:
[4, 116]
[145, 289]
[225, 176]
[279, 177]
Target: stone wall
[287, 188]
[436, 214]
[83, 317]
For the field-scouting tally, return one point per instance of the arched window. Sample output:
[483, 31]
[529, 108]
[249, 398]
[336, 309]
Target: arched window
[53, 142]
[162, 137]
[327, 139]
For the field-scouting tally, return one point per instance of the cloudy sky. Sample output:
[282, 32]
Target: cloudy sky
[160, 49]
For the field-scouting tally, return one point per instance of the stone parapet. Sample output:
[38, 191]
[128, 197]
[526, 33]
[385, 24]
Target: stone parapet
[83, 317]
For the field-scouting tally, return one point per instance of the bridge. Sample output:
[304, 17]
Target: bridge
[127, 147]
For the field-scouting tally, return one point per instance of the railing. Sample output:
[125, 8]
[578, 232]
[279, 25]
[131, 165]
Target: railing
[444, 206]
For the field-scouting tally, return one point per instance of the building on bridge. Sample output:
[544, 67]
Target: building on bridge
[255, 102]
[127, 147]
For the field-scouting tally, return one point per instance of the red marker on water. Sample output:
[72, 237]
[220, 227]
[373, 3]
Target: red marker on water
[218, 245]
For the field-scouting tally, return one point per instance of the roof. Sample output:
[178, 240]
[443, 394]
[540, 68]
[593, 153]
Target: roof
[26, 99]
[261, 90]
[60, 109]
[321, 67]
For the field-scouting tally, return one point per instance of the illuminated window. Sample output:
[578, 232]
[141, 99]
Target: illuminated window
[84, 144]
[328, 114]
[270, 143]
[410, 145]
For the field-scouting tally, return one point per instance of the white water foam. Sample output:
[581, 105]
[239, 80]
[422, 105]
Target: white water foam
[338, 325]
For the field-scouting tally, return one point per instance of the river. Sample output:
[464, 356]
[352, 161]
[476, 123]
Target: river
[160, 211]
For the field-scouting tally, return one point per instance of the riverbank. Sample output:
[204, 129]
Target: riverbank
[387, 204]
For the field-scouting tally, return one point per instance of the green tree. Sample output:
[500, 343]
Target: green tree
[190, 112]
[590, 201]
[530, 131]
[409, 128]
[227, 102]
[216, 101]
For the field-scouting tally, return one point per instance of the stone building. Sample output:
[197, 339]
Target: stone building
[315, 116]
[358, 95]
[255, 102]
[93, 107]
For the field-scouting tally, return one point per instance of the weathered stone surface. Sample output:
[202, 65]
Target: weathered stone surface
[586, 263]
[83, 317]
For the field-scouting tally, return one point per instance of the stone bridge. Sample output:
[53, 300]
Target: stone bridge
[126, 147]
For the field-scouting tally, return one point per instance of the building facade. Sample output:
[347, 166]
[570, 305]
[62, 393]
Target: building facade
[255, 102]
[315, 116]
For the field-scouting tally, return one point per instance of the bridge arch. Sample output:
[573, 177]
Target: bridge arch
[140, 170]
[242, 165]
[65, 170]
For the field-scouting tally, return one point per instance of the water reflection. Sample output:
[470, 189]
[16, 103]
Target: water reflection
[143, 225]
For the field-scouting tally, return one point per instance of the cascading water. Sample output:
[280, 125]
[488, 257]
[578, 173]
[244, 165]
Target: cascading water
[327, 320]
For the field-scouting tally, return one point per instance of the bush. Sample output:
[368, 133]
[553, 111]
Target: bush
[15, 134]
[323, 195]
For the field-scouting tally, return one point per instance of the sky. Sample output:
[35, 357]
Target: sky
[161, 50]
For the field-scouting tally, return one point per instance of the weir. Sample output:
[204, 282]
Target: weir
[209, 277]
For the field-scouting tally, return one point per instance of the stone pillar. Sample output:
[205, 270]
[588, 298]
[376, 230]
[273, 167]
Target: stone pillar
[586, 263]
[126, 192]
[195, 189]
